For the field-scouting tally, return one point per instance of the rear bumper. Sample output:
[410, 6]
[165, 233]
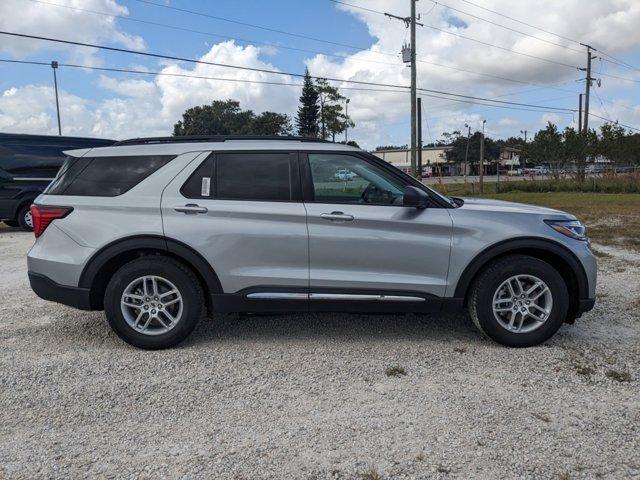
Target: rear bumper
[47, 289]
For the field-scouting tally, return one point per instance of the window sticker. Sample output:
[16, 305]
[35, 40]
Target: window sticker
[206, 187]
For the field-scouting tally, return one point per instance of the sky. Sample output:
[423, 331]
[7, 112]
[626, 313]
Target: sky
[466, 47]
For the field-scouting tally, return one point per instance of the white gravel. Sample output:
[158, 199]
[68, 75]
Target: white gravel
[307, 396]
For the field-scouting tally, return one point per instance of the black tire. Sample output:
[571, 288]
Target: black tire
[23, 213]
[12, 223]
[175, 272]
[489, 280]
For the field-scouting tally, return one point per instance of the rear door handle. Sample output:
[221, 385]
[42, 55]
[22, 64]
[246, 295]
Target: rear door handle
[191, 209]
[337, 217]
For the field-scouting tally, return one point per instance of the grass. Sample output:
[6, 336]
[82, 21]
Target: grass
[611, 218]
[618, 376]
[395, 371]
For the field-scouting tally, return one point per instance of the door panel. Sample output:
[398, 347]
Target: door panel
[360, 235]
[248, 243]
[382, 248]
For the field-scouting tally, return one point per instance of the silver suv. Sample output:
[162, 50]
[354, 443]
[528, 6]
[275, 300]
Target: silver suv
[156, 231]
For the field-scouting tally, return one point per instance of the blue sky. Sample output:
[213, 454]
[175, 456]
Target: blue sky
[120, 105]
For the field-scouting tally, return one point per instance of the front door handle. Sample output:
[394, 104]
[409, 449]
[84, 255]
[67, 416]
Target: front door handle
[337, 217]
[191, 209]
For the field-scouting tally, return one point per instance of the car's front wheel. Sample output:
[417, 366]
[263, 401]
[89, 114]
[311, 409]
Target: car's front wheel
[519, 301]
[153, 302]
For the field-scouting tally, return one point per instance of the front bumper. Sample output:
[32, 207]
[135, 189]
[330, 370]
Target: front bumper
[47, 289]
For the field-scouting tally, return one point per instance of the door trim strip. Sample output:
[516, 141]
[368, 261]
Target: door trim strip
[333, 296]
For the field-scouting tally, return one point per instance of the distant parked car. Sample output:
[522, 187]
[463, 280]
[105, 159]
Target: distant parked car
[27, 164]
[537, 170]
[345, 174]
[514, 172]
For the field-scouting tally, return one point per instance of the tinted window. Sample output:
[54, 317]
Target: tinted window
[104, 176]
[199, 184]
[253, 176]
[38, 158]
[341, 178]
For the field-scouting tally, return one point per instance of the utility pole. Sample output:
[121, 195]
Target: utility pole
[580, 113]
[346, 125]
[54, 66]
[480, 185]
[411, 23]
[588, 81]
[419, 132]
[466, 153]
[413, 86]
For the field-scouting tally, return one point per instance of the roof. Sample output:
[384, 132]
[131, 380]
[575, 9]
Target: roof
[25, 137]
[178, 147]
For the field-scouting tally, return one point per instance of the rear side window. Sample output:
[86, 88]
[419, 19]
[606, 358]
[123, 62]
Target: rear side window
[199, 184]
[254, 176]
[104, 176]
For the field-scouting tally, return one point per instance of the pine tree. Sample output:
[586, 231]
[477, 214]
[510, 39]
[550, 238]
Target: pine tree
[308, 112]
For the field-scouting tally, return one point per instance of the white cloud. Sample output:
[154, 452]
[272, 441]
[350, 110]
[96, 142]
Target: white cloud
[150, 105]
[64, 22]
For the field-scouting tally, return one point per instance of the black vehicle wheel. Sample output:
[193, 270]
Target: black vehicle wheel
[153, 302]
[12, 223]
[25, 220]
[519, 301]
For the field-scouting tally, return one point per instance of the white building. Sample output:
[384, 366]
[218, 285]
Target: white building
[432, 158]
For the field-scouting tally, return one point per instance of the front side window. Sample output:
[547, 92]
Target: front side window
[254, 176]
[340, 178]
[104, 176]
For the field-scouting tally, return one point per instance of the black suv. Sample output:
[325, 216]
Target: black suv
[27, 164]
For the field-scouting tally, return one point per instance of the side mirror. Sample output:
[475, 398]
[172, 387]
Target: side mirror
[414, 197]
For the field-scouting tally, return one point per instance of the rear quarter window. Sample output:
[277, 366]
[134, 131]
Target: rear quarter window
[104, 176]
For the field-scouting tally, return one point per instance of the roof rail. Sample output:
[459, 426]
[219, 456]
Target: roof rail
[214, 138]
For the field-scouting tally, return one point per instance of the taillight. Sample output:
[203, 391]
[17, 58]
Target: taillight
[43, 215]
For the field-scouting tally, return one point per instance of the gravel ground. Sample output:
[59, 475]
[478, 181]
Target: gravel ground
[307, 396]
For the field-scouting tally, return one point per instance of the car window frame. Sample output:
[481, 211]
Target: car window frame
[294, 165]
[308, 191]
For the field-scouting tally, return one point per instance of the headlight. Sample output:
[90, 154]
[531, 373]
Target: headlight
[570, 228]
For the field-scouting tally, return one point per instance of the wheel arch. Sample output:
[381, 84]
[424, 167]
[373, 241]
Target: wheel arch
[556, 254]
[106, 261]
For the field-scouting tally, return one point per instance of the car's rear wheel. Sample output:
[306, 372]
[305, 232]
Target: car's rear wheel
[153, 302]
[25, 220]
[519, 301]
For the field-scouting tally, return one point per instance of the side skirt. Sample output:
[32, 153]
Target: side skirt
[256, 300]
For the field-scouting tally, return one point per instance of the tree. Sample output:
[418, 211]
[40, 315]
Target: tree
[308, 113]
[227, 118]
[458, 143]
[546, 148]
[332, 119]
[391, 147]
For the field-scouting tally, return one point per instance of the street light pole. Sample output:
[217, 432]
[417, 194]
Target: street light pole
[466, 153]
[346, 120]
[54, 66]
[480, 185]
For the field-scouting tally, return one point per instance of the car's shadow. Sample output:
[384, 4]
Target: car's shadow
[335, 326]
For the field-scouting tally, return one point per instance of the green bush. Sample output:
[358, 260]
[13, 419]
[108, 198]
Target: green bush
[622, 183]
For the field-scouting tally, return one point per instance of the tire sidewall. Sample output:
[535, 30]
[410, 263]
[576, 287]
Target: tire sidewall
[490, 282]
[21, 220]
[176, 274]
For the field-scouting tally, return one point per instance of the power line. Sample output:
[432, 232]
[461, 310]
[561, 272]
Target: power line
[505, 27]
[249, 41]
[619, 61]
[614, 121]
[358, 6]
[245, 24]
[531, 108]
[263, 70]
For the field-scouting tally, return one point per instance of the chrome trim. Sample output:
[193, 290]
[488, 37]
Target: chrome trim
[333, 296]
[31, 179]
[279, 295]
[377, 298]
